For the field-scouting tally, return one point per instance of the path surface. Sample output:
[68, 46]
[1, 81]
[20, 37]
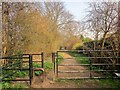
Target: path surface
[49, 83]
[74, 71]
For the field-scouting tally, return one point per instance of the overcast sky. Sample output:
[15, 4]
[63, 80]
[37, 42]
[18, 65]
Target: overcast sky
[78, 9]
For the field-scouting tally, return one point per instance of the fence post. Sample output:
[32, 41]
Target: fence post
[30, 68]
[20, 60]
[57, 63]
[90, 66]
[53, 61]
[42, 58]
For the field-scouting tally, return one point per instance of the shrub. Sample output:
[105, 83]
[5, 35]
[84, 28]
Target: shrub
[77, 46]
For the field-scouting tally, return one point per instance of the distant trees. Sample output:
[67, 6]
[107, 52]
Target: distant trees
[33, 27]
[72, 34]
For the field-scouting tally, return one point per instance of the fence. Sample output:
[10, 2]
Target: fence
[92, 65]
[19, 63]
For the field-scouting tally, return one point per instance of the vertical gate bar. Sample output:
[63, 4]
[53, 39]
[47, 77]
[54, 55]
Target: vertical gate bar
[52, 57]
[30, 68]
[42, 58]
[90, 68]
[54, 63]
[57, 63]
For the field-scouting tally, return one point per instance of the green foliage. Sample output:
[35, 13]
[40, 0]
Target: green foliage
[86, 40]
[90, 44]
[77, 45]
[6, 85]
[37, 65]
[79, 58]
[60, 59]
[21, 74]
[37, 73]
[12, 86]
[109, 83]
[109, 44]
[16, 52]
[48, 65]
[100, 83]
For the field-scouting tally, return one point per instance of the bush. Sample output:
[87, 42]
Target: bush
[77, 46]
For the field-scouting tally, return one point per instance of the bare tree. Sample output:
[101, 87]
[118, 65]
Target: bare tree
[103, 18]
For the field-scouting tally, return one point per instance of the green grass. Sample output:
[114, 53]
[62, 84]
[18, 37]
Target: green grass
[83, 59]
[100, 83]
[48, 65]
[9, 85]
[60, 59]
[93, 83]
[110, 83]
[80, 58]
[21, 74]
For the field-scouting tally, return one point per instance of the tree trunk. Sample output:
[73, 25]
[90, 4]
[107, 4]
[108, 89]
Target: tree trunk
[103, 41]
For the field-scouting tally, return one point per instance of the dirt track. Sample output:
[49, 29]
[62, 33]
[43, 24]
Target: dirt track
[74, 71]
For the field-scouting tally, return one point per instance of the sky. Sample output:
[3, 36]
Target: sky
[78, 9]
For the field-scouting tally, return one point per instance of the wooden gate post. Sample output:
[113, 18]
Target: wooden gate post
[53, 61]
[57, 64]
[42, 58]
[30, 68]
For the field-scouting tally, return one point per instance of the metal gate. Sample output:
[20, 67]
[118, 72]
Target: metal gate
[11, 65]
[93, 66]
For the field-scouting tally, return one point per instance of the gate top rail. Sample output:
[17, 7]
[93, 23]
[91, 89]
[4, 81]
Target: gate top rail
[20, 56]
[87, 50]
